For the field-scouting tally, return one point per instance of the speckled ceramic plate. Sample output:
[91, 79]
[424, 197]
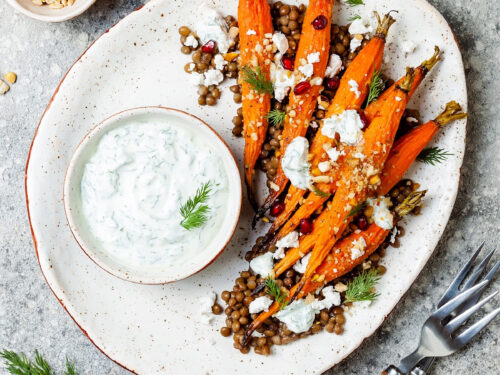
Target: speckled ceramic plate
[154, 329]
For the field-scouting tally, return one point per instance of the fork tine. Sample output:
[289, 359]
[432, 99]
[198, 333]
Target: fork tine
[450, 306]
[457, 322]
[452, 290]
[473, 330]
[477, 271]
[471, 301]
[492, 272]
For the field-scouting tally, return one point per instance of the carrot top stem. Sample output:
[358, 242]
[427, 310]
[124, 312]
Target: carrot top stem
[384, 24]
[452, 111]
[411, 201]
[429, 64]
[407, 81]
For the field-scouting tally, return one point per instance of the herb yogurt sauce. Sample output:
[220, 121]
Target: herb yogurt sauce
[135, 183]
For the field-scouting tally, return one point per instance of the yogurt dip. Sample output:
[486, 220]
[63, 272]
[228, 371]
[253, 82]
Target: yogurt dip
[135, 183]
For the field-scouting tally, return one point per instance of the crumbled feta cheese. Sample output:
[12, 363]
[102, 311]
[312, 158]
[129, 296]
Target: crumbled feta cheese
[314, 125]
[348, 124]
[196, 79]
[263, 264]
[394, 233]
[219, 61]
[191, 41]
[332, 298]
[206, 303]
[282, 80]
[316, 81]
[354, 87]
[295, 163]
[324, 166]
[355, 43]
[212, 26]
[259, 304]
[411, 119]
[408, 46]
[360, 26]
[213, 77]
[334, 65]
[290, 240]
[358, 248]
[382, 216]
[398, 98]
[281, 42]
[298, 316]
[301, 264]
[307, 70]
[359, 155]
[313, 57]
[333, 154]
[251, 32]
[279, 253]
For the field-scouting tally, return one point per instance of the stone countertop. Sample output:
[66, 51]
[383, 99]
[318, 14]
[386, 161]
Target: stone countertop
[30, 316]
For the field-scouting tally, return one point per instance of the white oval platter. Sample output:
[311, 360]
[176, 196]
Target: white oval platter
[154, 329]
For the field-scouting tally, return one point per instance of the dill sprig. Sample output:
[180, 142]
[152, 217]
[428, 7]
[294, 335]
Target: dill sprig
[361, 288]
[376, 87]
[433, 155]
[353, 3]
[354, 18]
[276, 117]
[274, 290]
[257, 80]
[319, 193]
[194, 212]
[356, 209]
[19, 364]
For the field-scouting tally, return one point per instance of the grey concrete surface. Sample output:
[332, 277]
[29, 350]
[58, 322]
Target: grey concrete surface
[30, 316]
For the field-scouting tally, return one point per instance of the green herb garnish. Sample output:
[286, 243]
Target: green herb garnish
[353, 3]
[194, 212]
[275, 291]
[433, 155]
[354, 18]
[361, 288]
[319, 193]
[356, 209]
[376, 87]
[276, 117]
[257, 80]
[19, 364]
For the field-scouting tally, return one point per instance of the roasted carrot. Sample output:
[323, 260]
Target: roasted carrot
[254, 15]
[356, 180]
[314, 201]
[301, 107]
[339, 261]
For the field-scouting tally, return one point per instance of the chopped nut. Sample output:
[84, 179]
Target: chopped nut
[230, 56]
[11, 77]
[340, 287]
[3, 87]
[233, 32]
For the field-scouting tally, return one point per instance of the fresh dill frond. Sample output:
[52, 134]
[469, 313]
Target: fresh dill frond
[257, 80]
[194, 212]
[356, 209]
[70, 368]
[274, 290]
[354, 18]
[15, 363]
[41, 367]
[376, 86]
[276, 117]
[361, 288]
[353, 3]
[320, 193]
[433, 155]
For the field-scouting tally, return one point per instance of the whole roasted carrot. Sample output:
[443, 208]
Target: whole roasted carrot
[255, 22]
[339, 261]
[360, 71]
[313, 40]
[402, 155]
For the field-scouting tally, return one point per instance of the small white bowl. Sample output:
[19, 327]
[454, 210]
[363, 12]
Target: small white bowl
[159, 274]
[48, 14]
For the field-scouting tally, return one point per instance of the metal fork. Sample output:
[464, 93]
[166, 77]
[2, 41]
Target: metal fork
[455, 307]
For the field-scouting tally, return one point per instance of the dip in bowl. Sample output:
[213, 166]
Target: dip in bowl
[152, 195]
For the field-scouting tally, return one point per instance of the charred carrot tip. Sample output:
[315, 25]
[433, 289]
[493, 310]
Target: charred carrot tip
[384, 24]
[452, 111]
[429, 64]
[412, 200]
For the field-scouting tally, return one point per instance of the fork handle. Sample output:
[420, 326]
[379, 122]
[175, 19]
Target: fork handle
[423, 366]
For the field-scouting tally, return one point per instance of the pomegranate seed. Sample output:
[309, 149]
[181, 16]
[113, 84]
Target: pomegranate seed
[305, 226]
[362, 222]
[209, 47]
[301, 88]
[364, 119]
[332, 83]
[277, 208]
[288, 62]
[319, 22]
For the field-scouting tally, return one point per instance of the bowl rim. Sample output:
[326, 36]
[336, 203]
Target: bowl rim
[68, 15]
[117, 272]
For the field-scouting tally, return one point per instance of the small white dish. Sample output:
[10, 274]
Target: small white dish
[161, 273]
[47, 14]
